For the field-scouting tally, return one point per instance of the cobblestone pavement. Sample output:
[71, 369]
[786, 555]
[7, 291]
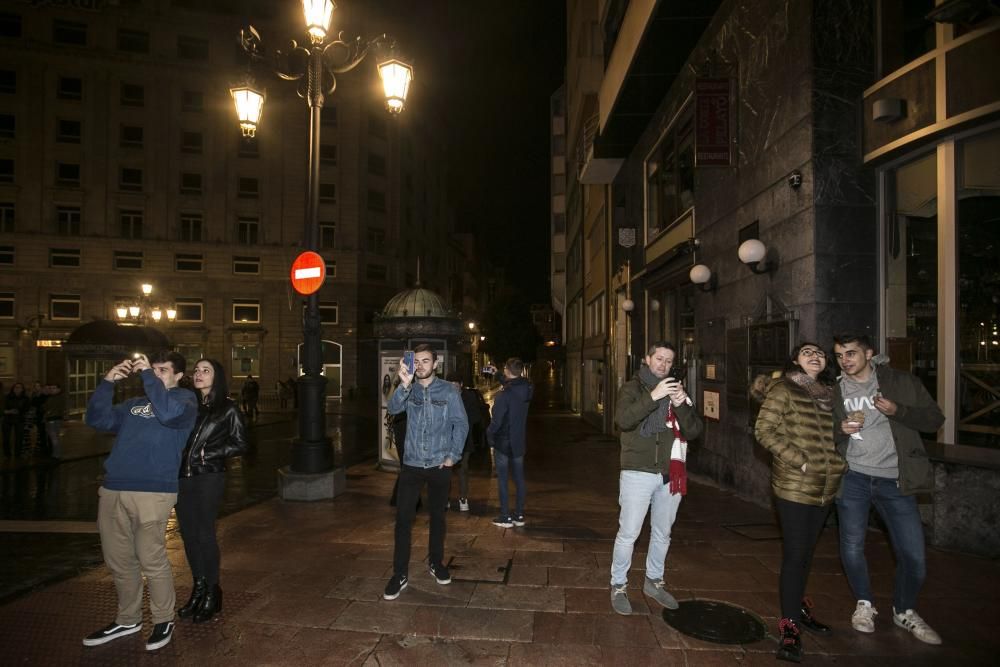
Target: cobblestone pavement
[303, 583]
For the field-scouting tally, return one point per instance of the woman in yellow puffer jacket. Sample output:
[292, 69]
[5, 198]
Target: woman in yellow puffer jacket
[795, 424]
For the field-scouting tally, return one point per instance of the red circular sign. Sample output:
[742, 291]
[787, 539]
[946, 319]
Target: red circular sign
[308, 273]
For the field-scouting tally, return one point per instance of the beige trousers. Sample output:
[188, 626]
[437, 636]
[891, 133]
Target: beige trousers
[133, 528]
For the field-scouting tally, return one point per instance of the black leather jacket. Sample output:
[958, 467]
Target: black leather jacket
[215, 437]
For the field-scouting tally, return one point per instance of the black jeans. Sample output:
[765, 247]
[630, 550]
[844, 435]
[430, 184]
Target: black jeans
[801, 526]
[411, 480]
[198, 501]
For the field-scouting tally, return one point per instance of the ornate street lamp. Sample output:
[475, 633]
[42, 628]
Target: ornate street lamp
[315, 67]
[143, 310]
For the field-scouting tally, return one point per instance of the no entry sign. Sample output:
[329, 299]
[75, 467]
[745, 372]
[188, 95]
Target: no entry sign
[308, 273]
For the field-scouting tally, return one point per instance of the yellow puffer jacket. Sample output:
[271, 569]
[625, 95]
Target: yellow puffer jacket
[796, 431]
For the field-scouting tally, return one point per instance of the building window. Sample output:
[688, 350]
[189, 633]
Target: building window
[7, 217]
[8, 125]
[331, 267]
[64, 257]
[192, 100]
[376, 125]
[246, 231]
[190, 183]
[6, 170]
[246, 265]
[248, 147]
[327, 235]
[64, 306]
[10, 25]
[130, 179]
[904, 32]
[128, 260]
[328, 192]
[190, 227]
[190, 310]
[328, 116]
[68, 131]
[328, 312]
[68, 174]
[6, 305]
[670, 176]
[246, 359]
[246, 311]
[247, 188]
[69, 32]
[376, 200]
[188, 262]
[132, 95]
[68, 220]
[70, 88]
[376, 241]
[130, 223]
[376, 164]
[192, 48]
[377, 272]
[130, 136]
[133, 41]
[328, 154]
[8, 81]
[191, 142]
[6, 255]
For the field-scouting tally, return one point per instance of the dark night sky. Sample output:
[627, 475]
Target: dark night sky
[491, 68]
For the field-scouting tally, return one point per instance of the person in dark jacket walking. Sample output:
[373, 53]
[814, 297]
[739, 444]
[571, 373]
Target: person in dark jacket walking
[471, 401]
[795, 424]
[250, 393]
[15, 407]
[219, 433]
[507, 436]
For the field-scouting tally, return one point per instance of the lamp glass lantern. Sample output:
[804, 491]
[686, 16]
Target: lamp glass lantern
[249, 106]
[134, 311]
[147, 289]
[396, 77]
[122, 312]
[751, 251]
[318, 14]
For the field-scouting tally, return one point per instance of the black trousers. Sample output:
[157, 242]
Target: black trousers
[198, 501]
[411, 481]
[801, 526]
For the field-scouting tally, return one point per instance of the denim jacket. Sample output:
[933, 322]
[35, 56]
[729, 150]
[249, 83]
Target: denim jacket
[436, 423]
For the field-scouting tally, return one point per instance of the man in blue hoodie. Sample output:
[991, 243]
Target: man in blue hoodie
[140, 489]
[507, 437]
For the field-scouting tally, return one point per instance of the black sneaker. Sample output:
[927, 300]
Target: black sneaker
[162, 634]
[111, 633]
[503, 522]
[518, 520]
[440, 574]
[395, 586]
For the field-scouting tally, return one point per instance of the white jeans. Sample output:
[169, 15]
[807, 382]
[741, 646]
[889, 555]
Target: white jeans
[636, 492]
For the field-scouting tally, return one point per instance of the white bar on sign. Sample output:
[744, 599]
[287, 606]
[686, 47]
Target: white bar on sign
[314, 272]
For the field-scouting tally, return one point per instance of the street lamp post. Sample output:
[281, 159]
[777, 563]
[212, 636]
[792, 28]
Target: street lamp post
[143, 310]
[315, 67]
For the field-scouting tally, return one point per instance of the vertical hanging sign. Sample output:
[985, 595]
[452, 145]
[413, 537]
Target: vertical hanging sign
[713, 146]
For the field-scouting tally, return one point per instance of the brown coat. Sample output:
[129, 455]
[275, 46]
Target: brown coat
[796, 431]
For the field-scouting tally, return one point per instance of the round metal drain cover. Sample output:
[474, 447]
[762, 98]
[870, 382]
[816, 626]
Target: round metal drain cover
[716, 622]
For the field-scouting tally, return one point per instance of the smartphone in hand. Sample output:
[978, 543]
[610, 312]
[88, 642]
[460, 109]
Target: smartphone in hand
[408, 361]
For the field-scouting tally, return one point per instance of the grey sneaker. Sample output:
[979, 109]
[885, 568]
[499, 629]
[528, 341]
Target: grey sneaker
[619, 600]
[656, 589]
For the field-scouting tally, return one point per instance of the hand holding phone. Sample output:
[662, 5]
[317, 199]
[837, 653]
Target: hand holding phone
[406, 367]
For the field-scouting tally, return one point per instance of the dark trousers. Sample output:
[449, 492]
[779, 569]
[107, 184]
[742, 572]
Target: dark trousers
[198, 501]
[411, 481]
[13, 437]
[801, 526]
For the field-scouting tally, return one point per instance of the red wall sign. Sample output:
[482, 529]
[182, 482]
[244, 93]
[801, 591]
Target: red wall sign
[308, 273]
[712, 146]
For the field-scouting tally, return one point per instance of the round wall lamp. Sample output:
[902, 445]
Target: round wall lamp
[703, 277]
[753, 253]
[628, 305]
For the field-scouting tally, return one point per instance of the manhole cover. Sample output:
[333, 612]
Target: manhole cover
[716, 622]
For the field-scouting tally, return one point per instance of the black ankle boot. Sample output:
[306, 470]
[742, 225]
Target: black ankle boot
[809, 621]
[197, 594]
[789, 643]
[210, 605]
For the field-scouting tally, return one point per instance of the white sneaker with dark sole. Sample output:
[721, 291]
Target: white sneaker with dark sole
[111, 633]
[863, 618]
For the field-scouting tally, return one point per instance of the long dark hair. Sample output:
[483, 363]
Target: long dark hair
[218, 395]
[825, 376]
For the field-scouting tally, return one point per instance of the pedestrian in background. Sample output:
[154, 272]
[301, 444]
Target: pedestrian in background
[15, 408]
[55, 410]
[219, 433]
[507, 435]
[35, 421]
[470, 402]
[795, 424]
[250, 392]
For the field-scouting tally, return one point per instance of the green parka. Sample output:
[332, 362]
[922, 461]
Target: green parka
[796, 431]
[650, 454]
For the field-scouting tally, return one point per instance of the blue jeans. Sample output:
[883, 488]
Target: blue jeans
[902, 519]
[637, 491]
[515, 465]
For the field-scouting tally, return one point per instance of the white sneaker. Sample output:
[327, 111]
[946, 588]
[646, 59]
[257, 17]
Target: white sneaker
[911, 621]
[863, 618]
[463, 504]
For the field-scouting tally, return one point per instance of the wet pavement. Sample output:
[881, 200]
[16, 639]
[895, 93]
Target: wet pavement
[303, 582]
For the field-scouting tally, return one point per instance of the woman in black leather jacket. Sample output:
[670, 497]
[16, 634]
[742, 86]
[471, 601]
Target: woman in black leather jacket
[219, 433]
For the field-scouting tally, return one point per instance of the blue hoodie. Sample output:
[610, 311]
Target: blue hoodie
[507, 431]
[152, 431]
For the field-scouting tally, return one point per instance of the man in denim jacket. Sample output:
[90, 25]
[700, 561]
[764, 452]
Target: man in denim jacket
[436, 426]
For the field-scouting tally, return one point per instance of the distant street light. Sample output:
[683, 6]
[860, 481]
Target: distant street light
[315, 67]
